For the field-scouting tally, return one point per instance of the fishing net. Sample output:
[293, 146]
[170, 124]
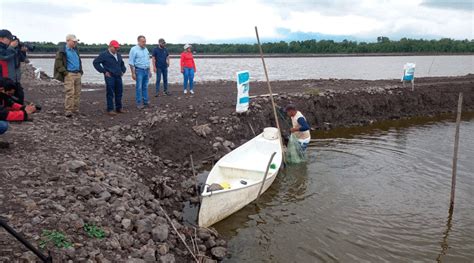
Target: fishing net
[294, 152]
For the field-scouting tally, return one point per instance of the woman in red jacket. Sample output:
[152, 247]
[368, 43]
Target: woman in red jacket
[188, 68]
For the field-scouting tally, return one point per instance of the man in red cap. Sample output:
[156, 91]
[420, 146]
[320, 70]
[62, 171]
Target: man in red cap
[110, 63]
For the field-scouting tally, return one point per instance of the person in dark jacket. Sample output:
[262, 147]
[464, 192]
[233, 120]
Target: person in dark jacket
[68, 69]
[161, 62]
[110, 63]
[8, 54]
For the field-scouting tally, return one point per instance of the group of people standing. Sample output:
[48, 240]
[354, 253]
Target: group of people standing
[68, 69]
[13, 107]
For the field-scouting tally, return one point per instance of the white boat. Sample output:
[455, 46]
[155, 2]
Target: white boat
[240, 173]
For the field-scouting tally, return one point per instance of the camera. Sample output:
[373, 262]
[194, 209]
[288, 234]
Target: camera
[30, 47]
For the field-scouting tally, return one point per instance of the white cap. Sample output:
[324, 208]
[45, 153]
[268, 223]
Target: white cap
[187, 46]
[71, 37]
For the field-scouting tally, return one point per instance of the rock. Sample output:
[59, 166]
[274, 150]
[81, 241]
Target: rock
[126, 224]
[203, 234]
[126, 241]
[228, 144]
[202, 130]
[129, 138]
[210, 243]
[143, 226]
[168, 258]
[163, 249]
[216, 145]
[214, 187]
[219, 139]
[219, 252]
[160, 233]
[75, 165]
[149, 255]
[135, 260]
[209, 260]
[28, 257]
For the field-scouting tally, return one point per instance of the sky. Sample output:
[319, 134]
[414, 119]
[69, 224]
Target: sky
[233, 21]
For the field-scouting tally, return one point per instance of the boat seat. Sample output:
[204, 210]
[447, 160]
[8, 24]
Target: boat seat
[246, 166]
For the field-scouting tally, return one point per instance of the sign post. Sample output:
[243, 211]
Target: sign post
[243, 81]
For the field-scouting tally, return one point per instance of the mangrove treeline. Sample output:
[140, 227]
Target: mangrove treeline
[382, 45]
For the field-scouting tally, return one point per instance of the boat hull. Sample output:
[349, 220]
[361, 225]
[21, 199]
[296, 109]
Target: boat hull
[218, 206]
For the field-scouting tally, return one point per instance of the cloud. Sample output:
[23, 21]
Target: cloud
[219, 21]
[465, 5]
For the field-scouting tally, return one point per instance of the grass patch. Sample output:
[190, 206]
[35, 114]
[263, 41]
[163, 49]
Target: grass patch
[57, 238]
[94, 231]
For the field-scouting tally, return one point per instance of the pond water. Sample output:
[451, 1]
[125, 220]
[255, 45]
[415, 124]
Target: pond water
[372, 194]
[294, 68]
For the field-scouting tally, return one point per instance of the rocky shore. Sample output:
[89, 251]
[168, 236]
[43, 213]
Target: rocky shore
[131, 175]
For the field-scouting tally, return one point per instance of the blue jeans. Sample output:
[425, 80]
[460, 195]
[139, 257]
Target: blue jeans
[114, 87]
[159, 72]
[3, 127]
[188, 77]
[141, 88]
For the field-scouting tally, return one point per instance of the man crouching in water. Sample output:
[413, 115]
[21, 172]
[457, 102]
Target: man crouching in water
[300, 126]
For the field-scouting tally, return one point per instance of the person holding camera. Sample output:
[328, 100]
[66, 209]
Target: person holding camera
[110, 63]
[21, 56]
[68, 69]
[8, 55]
[9, 109]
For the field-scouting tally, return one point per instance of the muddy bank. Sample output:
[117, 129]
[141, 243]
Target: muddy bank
[117, 173]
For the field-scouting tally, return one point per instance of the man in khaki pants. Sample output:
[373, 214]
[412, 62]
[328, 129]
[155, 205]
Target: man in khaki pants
[68, 69]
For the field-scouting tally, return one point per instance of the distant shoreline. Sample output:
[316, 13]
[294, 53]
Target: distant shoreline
[86, 55]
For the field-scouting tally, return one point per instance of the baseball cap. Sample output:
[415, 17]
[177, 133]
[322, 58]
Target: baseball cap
[71, 37]
[114, 43]
[161, 41]
[187, 46]
[6, 33]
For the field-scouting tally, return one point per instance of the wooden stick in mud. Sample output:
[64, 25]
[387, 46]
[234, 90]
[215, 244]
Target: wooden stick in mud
[270, 92]
[179, 234]
[455, 156]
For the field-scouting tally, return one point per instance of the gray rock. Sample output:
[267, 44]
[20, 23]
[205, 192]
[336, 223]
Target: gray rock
[126, 224]
[203, 234]
[75, 165]
[126, 241]
[143, 226]
[163, 249]
[135, 260]
[160, 233]
[228, 144]
[219, 252]
[149, 255]
[210, 243]
[168, 258]
[202, 130]
[130, 138]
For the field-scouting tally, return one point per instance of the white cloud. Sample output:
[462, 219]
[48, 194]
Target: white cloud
[204, 21]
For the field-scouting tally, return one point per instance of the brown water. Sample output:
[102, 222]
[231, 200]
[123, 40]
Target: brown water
[373, 194]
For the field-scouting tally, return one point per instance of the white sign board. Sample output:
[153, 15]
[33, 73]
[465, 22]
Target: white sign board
[408, 72]
[243, 81]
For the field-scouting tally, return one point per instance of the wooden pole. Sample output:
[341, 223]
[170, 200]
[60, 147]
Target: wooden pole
[265, 176]
[270, 92]
[455, 155]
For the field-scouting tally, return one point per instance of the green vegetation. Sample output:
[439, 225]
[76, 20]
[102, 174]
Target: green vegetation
[57, 238]
[94, 231]
[383, 45]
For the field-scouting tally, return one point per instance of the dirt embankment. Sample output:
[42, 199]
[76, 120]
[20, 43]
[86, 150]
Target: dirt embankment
[117, 173]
